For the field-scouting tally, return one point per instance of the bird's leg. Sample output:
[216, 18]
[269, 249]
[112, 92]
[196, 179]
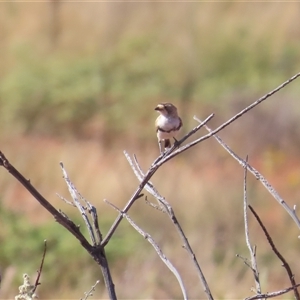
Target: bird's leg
[160, 146]
[167, 143]
[176, 143]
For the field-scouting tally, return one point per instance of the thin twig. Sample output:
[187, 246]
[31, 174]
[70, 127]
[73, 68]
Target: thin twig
[162, 256]
[251, 251]
[97, 253]
[228, 122]
[264, 182]
[273, 294]
[169, 154]
[94, 232]
[138, 172]
[74, 194]
[65, 200]
[245, 261]
[278, 254]
[137, 194]
[169, 210]
[90, 292]
[37, 282]
[155, 206]
[183, 139]
[93, 211]
[59, 217]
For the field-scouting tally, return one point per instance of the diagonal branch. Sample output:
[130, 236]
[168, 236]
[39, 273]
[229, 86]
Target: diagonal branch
[97, 252]
[183, 139]
[228, 122]
[169, 154]
[273, 294]
[94, 230]
[74, 194]
[59, 217]
[168, 209]
[90, 292]
[37, 281]
[162, 256]
[264, 182]
[137, 194]
[278, 254]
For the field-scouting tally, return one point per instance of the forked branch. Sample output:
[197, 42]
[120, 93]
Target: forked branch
[170, 212]
[96, 250]
[273, 294]
[228, 122]
[154, 167]
[264, 182]
[161, 255]
[278, 254]
[252, 251]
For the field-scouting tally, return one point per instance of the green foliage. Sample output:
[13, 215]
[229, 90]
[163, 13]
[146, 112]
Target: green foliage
[15, 234]
[50, 96]
[22, 245]
[60, 95]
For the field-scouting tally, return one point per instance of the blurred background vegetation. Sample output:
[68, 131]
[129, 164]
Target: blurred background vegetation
[79, 82]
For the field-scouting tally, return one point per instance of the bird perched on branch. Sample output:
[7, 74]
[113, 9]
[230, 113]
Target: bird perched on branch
[167, 124]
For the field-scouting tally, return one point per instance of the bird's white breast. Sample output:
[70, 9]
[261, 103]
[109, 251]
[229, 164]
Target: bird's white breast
[167, 124]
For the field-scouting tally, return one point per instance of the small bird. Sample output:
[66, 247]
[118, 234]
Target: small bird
[167, 124]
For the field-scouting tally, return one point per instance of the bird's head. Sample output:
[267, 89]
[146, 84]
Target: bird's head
[167, 109]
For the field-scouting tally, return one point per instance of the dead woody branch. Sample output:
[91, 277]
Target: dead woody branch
[273, 294]
[252, 250]
[169, 154]
[169, 211]
[162, 256]
[263, 180]
[278, 254]
[96, 248]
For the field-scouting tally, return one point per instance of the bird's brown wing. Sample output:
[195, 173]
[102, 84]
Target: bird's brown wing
[180, 124]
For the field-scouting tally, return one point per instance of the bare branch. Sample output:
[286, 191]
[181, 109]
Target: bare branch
[137, 194]
[60, 218]
[149, 187]
[259, 177]
[169, 154]
[74, 194]
[93, 212]
[94, 232]
[41, 267]
[278, 254]
[65, 200]
[162, 256]
[97, 252]
[251, 251]
[228, 122]
[179, 142]
[273, 294]
[168, 209]
[246, 261]
[154, 205]
[90, 292]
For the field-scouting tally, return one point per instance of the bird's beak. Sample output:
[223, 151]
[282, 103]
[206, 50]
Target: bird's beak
[159, 107]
